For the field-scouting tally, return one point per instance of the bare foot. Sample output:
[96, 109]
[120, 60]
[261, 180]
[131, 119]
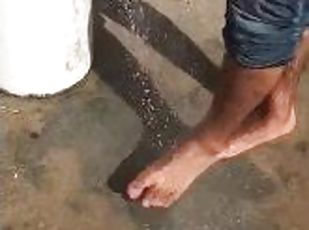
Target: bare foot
[161, 184]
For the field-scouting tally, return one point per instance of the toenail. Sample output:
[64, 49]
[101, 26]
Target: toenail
[133, 192]
[146, 203]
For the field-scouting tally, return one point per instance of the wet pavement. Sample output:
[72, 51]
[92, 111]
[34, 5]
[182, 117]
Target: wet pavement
[65, 160]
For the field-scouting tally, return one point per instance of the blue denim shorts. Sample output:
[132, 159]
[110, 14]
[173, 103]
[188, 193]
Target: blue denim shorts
[264, 33]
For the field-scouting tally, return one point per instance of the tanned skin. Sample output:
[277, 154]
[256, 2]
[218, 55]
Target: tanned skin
[252, 107]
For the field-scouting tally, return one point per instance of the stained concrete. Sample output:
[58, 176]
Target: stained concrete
[64, 161]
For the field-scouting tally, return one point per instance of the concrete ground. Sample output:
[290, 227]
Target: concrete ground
[65, 160]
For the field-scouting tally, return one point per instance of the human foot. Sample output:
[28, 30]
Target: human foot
[166, 180]
[161, 184]
[258, 134]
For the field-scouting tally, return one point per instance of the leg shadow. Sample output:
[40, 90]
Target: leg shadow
[159, 32]
[119, 69]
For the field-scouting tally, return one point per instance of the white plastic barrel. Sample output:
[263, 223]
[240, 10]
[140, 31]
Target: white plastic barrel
[44, 45]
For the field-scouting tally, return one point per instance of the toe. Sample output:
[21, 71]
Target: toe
[138, 186]
[159, 198]
[152, 198]
[135, 189]
[169, 198]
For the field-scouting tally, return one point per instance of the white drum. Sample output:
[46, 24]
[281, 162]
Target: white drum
[44, 45]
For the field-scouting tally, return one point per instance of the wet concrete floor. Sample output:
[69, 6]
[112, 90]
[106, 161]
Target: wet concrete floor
[65, 160]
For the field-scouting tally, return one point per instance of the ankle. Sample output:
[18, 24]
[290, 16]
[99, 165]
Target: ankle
[211, 146]
[202, 156]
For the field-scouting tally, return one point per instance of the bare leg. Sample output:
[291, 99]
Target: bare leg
[227, 130]
[258, 128]
[280, 118]
[163, 182]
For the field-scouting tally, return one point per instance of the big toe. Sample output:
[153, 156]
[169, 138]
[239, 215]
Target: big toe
[160, 198]
[136, 188]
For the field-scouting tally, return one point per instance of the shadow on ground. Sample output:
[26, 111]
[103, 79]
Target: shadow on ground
[117, 67]
[163, 35]
[57, 154]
